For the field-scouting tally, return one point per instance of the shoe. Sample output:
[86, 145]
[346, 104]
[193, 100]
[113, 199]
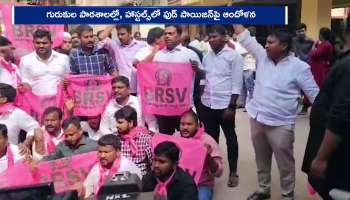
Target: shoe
[244, 110]
[259, 196]
[289, 196]
[233, 180]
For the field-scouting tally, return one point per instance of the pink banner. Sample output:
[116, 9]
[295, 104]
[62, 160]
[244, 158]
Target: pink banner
[34, 105]
[21, 35]
[193, 153]
[66, 173]
[91, 94]
[166, 88]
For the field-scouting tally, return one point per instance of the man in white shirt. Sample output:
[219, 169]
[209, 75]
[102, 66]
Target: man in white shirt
[110, 162]
[200, 44]
[122, 97]
[248, 73]
[155, 37]
[15, 118]
[92, 124]
[279, 78]
[126, 47]
[9, 153]
[92, 127]
[47, 138]
[223, 82]
[43, 69]
[9, 72]
[175, 53]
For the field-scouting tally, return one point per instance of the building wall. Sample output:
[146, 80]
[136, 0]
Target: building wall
[316, 14]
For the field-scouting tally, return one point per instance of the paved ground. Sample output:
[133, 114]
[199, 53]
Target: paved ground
[247, 167]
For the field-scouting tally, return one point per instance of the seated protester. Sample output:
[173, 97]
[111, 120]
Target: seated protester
[9, 153]
[136, 141]
[92, 127]
[15, 118]
[47, 138]
[122, 97]
[213, 166]
[169, 180]
[75, 142]
[110, 162]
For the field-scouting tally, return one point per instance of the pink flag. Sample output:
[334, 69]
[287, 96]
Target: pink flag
[193, 153]
[66, 173]
[91, 93]
[34, 105]
[166, 88]
[21, 36]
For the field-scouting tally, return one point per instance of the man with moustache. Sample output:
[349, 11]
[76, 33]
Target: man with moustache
[122, 98]
[136, 141]
[88, 58]
[126, 47]
[75, 142]
[175, 53]
[110, 162]
[280, 77]
[43, 69]
[223, 84]
[213, 165]
[47, 137]
[9, 72]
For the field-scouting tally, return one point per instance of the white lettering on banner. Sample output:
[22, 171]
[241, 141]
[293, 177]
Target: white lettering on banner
[59, 14]
[137, 15]
[170, 14]
[239, 14]
[115, 14]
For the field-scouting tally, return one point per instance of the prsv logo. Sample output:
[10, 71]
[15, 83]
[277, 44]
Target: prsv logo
[164, 91]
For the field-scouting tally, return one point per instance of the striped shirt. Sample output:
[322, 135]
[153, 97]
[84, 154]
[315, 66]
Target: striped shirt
[143, 157]
[99, 62]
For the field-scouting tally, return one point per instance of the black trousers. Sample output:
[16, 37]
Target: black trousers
[199, 107]
[213, 120]
[322, 188]
[168, 124]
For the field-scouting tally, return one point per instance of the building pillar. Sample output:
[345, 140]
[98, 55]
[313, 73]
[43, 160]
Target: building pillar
[316, 14]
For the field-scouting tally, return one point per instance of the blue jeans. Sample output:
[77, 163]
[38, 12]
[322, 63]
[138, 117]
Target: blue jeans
[205, 193]
[247, 87]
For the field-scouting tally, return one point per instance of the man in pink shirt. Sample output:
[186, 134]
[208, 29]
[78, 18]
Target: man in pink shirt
[124, 51]
[213, 166]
